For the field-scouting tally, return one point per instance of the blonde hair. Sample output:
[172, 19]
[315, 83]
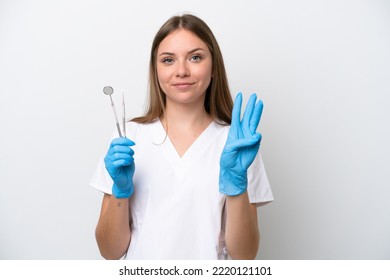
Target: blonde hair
[218, 101]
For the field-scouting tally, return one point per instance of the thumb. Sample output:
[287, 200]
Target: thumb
[245, 142]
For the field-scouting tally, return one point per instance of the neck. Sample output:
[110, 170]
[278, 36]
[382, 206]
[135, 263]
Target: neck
[185, 116]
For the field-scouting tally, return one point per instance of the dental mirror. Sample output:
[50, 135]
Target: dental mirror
[109, 91]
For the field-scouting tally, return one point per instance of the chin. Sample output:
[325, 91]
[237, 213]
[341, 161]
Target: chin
[185, 98]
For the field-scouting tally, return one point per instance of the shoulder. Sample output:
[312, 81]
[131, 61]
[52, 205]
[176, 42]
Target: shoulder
[137, 126]
[145, 131]
[221, 127]
[217, 133]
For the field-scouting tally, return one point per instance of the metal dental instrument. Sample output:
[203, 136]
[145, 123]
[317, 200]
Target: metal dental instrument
[123, 113]
[109, 91]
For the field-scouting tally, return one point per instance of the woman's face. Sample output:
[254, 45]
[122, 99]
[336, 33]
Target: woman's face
[184, 67]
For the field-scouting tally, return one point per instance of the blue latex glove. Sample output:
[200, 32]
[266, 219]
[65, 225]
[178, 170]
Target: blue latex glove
[241, 147]
[120, 165]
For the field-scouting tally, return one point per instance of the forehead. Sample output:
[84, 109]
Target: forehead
[181, 40]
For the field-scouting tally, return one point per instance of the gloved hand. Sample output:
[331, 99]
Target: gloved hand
[120, 165]
[241, 147]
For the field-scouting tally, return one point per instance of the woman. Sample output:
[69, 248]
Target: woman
[186, 184]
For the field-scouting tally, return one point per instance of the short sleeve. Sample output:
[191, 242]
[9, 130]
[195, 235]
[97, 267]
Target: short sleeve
[259, 189]
[101, 180]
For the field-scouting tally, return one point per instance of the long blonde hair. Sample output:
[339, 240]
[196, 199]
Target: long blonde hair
[218, 101]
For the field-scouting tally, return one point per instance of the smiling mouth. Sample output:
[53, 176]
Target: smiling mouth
[183, 86]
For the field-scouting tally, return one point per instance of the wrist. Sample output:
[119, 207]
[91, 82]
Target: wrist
[121, 192]
[232, 183]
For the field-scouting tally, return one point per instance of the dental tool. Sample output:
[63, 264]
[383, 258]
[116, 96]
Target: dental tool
[109, 91]
[123, 113]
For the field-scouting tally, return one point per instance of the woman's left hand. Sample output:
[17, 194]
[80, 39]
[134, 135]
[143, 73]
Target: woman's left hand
[241, 147]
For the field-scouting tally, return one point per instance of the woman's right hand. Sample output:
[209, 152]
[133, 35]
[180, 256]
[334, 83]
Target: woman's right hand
[120, 165]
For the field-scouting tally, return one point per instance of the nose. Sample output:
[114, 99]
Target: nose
[182, 69]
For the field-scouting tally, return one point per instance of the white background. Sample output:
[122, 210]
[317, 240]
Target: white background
[320, 67]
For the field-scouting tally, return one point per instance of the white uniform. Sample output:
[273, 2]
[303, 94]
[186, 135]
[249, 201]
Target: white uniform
[176, 208]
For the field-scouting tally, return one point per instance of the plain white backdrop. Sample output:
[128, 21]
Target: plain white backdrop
[320, 67]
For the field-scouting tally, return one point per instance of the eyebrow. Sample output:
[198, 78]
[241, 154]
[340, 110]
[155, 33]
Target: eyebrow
[192, 51]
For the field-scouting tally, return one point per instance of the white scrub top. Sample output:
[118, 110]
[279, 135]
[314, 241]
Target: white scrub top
[176, 208]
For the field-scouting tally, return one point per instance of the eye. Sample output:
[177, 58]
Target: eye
[196, 58]
[167, 60]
